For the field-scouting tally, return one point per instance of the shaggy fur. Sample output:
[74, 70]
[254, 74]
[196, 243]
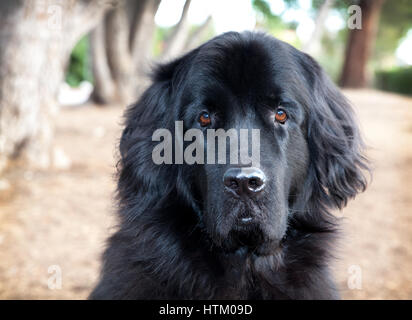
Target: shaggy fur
[177, 235]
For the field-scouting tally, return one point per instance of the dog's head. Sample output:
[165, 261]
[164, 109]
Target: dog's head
[303, 150]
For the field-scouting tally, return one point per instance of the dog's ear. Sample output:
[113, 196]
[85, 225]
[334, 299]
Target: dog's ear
[156, 102]
[140, 179]
[336, 147]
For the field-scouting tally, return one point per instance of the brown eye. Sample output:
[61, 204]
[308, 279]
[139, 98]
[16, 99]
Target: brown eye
[204, 119]
[281, 116]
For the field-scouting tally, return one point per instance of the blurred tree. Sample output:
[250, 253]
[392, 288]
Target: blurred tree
[266, 19]
[275, 25]
[272, 23]
[36, 38]
[395, 80]
[78, 67]
[199, 34]
[312, 45]
[176, 41]
[360, 45]
[196, 35]
[121, 46]
[104, 87]
[396, 20]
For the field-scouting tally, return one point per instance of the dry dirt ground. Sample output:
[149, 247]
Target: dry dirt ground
[56, 221]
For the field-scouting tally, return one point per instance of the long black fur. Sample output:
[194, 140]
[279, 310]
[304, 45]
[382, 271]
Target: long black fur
[162, 248]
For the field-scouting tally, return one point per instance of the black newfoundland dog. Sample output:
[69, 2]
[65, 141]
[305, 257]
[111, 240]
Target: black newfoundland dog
[227, 231]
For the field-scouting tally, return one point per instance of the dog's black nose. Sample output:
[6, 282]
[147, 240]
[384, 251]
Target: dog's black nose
[242, 181]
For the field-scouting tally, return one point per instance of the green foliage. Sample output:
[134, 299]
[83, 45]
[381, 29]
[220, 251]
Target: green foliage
[162, 34]
[79, 67]
[269, 21]
[332, 53]
[395, 21]
[159, 42]
[397, 80]
[266, 18]
[206, 35]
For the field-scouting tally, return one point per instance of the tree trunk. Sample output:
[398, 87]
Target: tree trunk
[104, 87]
[360, 45]
[312, 46]
[197, 36]
[118, 53]
[128, 34]
[176, 42]
[36, 39]
[141, 35]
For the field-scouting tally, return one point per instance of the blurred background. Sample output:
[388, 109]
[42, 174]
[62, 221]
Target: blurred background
[69, 68]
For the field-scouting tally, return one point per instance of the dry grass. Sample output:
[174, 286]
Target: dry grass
[61, 217]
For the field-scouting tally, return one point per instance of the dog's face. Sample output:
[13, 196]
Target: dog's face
[247, 205]
[239, 87]
[309, 150]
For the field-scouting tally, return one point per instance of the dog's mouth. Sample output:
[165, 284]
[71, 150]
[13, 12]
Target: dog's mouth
[246, 228]
[252, 240]
[248, 237]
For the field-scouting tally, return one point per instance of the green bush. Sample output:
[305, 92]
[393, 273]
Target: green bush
[79, 65]
[396, 80]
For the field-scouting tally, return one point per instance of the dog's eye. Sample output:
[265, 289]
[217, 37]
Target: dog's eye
[281, 116]
[204, 119]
